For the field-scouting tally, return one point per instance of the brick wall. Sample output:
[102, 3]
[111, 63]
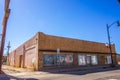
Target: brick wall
[24, 54]
[47, 42]
[11, 60]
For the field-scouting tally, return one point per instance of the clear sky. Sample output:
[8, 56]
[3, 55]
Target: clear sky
[80, 19]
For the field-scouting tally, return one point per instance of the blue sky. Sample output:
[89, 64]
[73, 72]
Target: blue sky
[80, 19]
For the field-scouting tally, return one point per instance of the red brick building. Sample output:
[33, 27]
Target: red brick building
[45, 51]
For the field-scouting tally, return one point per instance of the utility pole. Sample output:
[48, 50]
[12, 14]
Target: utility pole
[8, 52]
[112, 63]
[109, 40]
[8, 48]
[4, 24]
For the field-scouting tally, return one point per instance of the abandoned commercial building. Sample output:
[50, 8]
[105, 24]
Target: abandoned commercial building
[48, 52]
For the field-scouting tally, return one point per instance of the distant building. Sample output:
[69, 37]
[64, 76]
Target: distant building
[45, 52]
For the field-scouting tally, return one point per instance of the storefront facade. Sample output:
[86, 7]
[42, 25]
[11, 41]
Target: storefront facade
[70, 60]
[46, 52]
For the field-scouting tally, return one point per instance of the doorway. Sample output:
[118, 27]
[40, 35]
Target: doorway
[20, 60]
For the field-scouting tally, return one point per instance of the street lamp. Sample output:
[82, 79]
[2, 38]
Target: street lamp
[108, 33]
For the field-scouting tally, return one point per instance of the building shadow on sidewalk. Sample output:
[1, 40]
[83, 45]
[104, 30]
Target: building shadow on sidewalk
[4, 76]
[81, 71]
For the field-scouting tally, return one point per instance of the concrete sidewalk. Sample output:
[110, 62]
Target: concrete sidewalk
[92, 73]
[10, 69]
